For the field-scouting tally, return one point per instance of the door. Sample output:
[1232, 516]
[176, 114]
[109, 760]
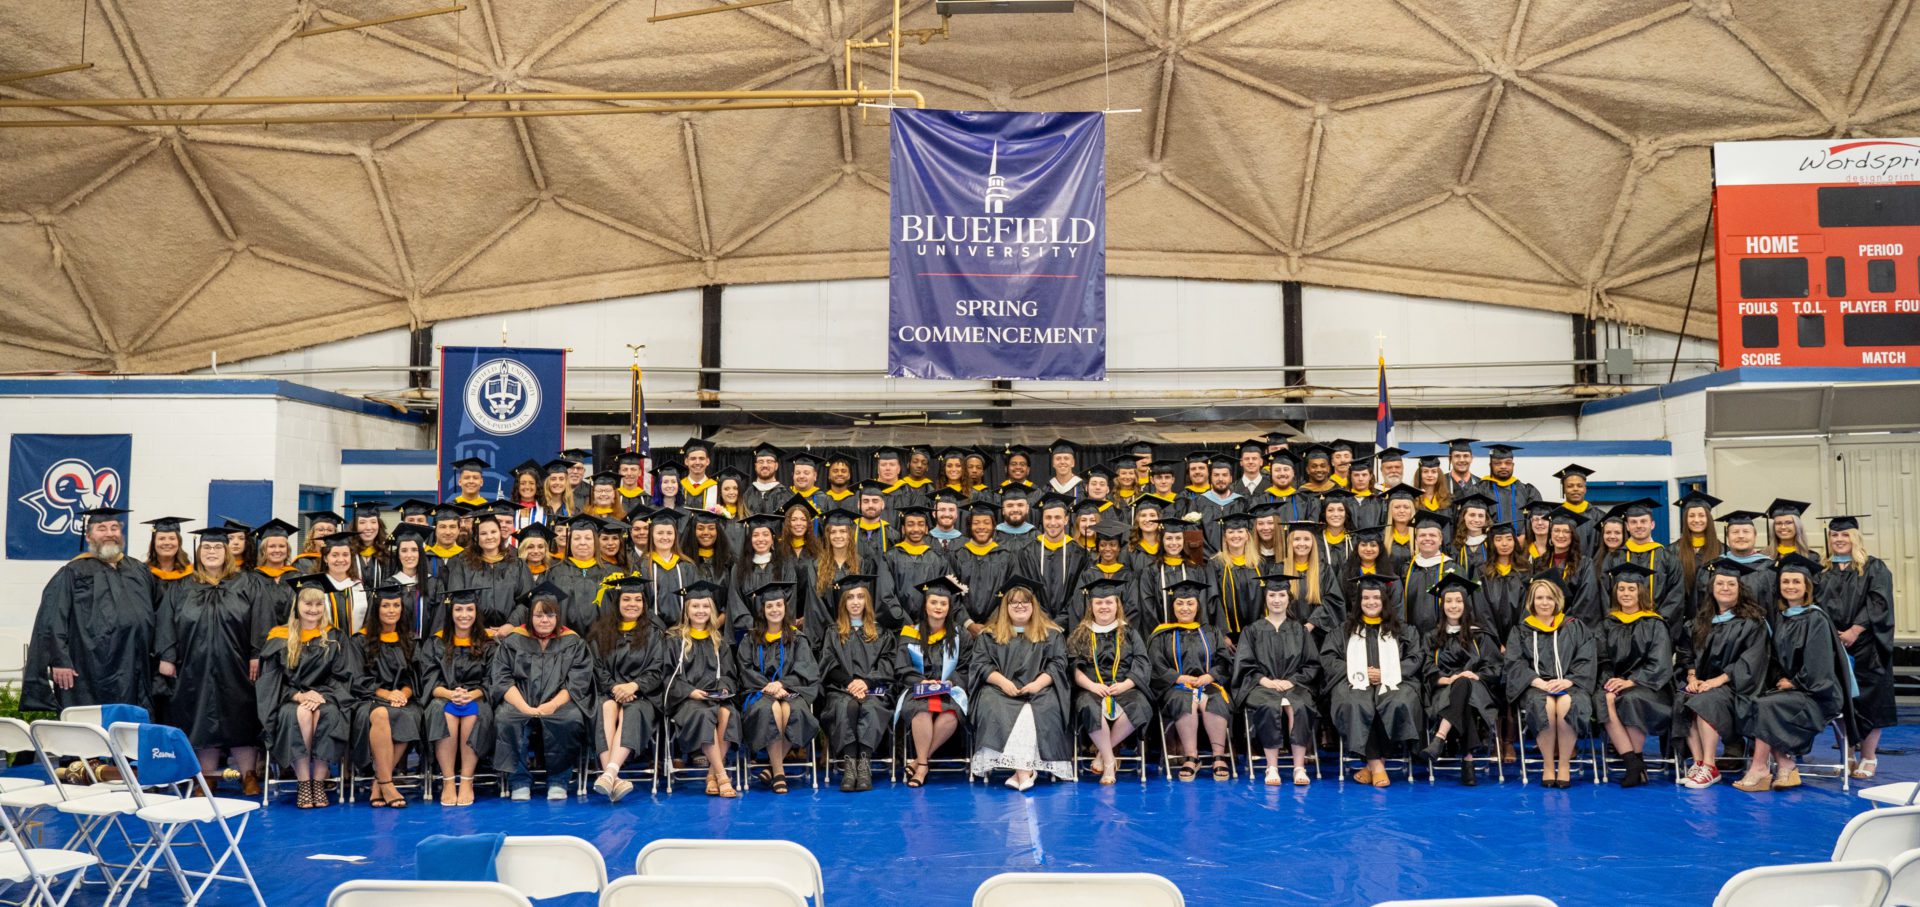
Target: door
[1879, 478]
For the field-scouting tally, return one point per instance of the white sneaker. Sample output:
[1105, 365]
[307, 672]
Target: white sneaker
[556, 792]
[522, 793]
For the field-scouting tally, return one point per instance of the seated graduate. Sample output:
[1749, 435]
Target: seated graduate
[1018, 678]
[1464, 673]
[1635, 648]
[857, 663]
[453, 668]
[701, 684]
[1722, 668]
[630, 664]
[1111, 672]
[929, 665]
[386, 711]
[779, 682]
[203, 638]
[1374, 664]
[542, 680]
[1551, 663]
[1806, 685]
[1275, 669]
[1192, 665]
[306, 677]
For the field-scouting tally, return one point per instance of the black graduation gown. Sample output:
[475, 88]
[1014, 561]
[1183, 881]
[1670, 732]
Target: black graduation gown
[791, 660]
[421, 596]
[519, 662]
[1499, 602]
[1212, 509]
[384, 667]
[1077, 604]
[1668, 587]
[1737, 649]
[1356, 709]
[700, 664]
[915, 662]
[1419, 605]
[162, 582]
[1156, 605]
[1763, 584]
[994, 714]
[1805, 652]
[206, 632]
[856, 722]
[667, 579]
[374, 568]
[582, 586]
[874, 539]
[272, 601]
[1473, 649]
[500, 583]
[327, 666]
[1585, 602]
[759, 501]
[1568, 652]
[1370, 510]
[1510, 501]
[982, 571]
[1175, 650]
[1110, 662]
[749, 576]
[906, 567]
[1056, 568]
[632, 661]
[1296, 506]
[96, 618]
[1333, 555]
[1642, 652]
[1468, 559]
[1285, 652]
[1864, 598]
[1238, 587]
[462, 669]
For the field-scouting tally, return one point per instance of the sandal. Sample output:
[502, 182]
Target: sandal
[918, 774]
[466, 790]
[1865, 769]
[713, 783]
[1221, 771]
[766, 776]
[303, 795]
[395, 799]
[1300, 778]
[1273, 777]
[374, 798]
[1189, 767]
[726, 788]
[779, 785]
[450, 791]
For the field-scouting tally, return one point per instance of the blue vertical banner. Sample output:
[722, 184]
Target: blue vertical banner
[997, 253]
[51, 479]
[505, 405]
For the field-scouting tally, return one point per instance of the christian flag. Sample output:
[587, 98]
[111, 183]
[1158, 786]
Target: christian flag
[1383, 416]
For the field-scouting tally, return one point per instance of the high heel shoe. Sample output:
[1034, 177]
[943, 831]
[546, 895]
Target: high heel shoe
[466, 791]
[1765, 783]
[303, 795]
[449, 791]
[1787, 781]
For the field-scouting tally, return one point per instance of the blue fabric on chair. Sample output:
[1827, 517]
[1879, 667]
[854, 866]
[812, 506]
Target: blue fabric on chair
[457, 858]
[115, 712]
[166, 755]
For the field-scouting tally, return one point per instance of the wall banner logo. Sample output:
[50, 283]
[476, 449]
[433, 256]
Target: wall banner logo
[503, 397]
[51, 479]
[505, 405]
[997, 245]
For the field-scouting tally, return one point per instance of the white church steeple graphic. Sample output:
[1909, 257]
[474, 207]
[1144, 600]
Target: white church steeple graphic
[997, 192]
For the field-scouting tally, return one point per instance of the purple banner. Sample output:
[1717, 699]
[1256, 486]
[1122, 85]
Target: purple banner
[998, 246]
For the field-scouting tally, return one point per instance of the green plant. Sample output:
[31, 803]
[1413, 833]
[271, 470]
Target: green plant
[10, 705]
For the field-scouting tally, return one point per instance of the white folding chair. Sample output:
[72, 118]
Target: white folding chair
[1508, 900]
[15, 738]
[40, 866]
[1078, 889]
[1257, 758]
[98, 811]
[13, 654]
[674, 891]
[1893, 793]
[167, 816]
[784, 861]
[1854, 884]
[546, 866]
[1879, 835]
[82, 714]
[390, 893]
[1903, 889]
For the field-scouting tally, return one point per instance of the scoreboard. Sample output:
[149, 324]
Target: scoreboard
[1818, 252]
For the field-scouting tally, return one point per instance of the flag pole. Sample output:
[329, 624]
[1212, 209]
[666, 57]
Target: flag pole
[638, 420]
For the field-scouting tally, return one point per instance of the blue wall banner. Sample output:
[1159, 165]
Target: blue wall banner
[998, 258]
[50, 479]
[505, 405]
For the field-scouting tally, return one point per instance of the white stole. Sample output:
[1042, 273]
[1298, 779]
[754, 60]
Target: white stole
[1357, 661]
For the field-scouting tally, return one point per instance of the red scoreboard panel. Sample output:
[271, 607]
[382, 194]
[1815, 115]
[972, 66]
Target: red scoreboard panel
[1818, 252]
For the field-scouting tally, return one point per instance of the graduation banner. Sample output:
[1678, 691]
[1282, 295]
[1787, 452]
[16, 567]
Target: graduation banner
[505, 405]
[997, 258]
[50, 479]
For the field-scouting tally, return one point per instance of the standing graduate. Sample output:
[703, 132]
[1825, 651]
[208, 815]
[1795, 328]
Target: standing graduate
[346, 595]
[1697, 544]
[1374, 662]
[1276, 666]
[272, 578]
[1235, 571]
[306, 683]
[1572, 575]
[92, 638]
[1402, 507]
[766, 560]
[908, 564]
[1318, 596]
[662, 564]
[873, 533]
[764, 493]
[386, 692]
[1463, 674]
[372, 546]
[1806, 686]
[1552, 667]
[1498, 599]
[1635, 696]
[929, 666]
[1335, 538]
[1435, 490]
[1467, 543]
[1252, 480]
[1366, 506]
[1459, 476]
[1182, 558]
[1109, 541]
[1053, 558]
[1018, 671]
[1422, 572]
[1509, 495]
[1143, 539]
[204, 641]
[857, 664]
[1111, 672]
[1063, 479]
[981, 565]
[1573, 496]
[701, 686]
[1667, 590]
[579, 574]
[1217, 500]
[1856, 589]
[411, 571]
[1742, 543]
[779, 682]
[708, 544]
[168, 561]
[1192, 667]
[542, 678]
[630, 664]
[453, 668]
[1788, 535]
[486, 566]
[1721, 669]
[840, 555]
